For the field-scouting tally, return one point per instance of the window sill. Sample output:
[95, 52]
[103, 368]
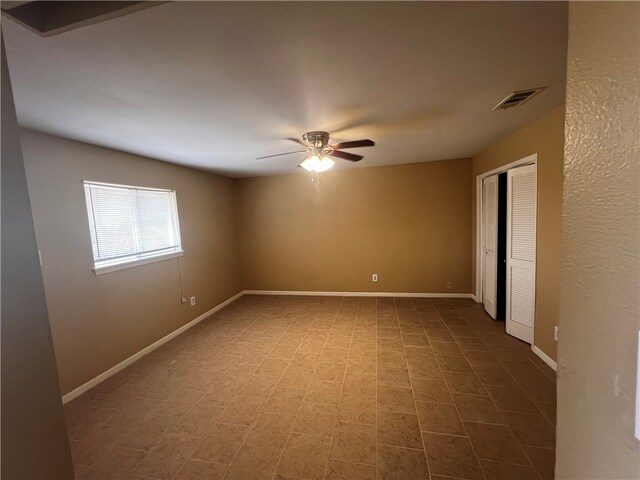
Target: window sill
[134, 263]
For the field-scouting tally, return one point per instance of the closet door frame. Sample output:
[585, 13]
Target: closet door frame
[529, 160]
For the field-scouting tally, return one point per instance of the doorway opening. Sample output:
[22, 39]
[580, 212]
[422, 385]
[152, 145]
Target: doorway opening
[501, 277]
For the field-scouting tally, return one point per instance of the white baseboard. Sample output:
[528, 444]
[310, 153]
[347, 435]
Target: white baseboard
[358, 294]
[545, 358]
[125, 363]
[474, 298]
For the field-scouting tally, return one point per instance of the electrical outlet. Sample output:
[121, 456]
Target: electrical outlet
[193, 301]
[183, 299]
[449, 285]
[374, 277]
[555, 333]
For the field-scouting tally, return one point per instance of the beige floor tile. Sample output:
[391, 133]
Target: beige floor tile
[509, 399]
[364, 337]
[259, 385]
[391, 358]
[305, 360]
[296, 378]
[254, 363]
[305, 456]
[243, 410]
[197, 470]
[495, 442]
[476, 408]
[417, 354]
[481, 358]
[396, 463]
[389, 343]
[146, 433]
[445, 348]
[503, 471]
[322, 391]
[316, 419]
[254, 463]
[272, 366]
[271, 430]
[399, 429]
[285, 401]
[354, 443]
[360, 384]
[198, 420]
[415, 340]
[115, 466]
[330, 372]
[357, 409]
[334, 355]
[221, 444]
[362, 350]
[440, 336]
[339, 341]
[548, 409]
[393, 377]
[340, 470]
[425, 369]
[495, 376]
[464, 383]
[440, 418]
[532, 430]
[544, 460]
[454, 363]
[429, 390]
[393, 399]
[167, 457]
[451, 456]
[361, 365]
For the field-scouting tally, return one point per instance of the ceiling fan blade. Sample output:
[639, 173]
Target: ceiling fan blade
[355, 144]
[281, 154]
[298, 141]
[346, 156]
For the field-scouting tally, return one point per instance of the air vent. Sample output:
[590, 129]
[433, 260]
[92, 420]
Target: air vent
[517, 98]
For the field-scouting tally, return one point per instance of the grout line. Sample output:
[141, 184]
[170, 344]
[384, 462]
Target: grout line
[344, 376]
[275, 473]
[415, 402]
[502, 416]
[454, 403]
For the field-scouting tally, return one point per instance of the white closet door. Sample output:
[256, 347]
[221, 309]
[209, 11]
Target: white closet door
[521, 252]
[489, 243]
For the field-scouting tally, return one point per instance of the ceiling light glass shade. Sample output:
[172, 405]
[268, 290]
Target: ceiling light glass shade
[317, 164]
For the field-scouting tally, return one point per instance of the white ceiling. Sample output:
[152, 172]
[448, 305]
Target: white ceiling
[214, 85]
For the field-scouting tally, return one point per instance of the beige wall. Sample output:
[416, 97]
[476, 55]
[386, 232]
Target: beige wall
[545, 137]
[599, 298]
[410, 224]
[98, 321]
[34, 438]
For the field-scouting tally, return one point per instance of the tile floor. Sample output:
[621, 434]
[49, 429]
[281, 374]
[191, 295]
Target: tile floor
[325, 387]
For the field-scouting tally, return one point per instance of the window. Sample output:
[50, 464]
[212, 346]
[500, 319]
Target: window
[131, 225]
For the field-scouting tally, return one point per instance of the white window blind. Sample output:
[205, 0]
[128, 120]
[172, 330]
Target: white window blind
[130, 225]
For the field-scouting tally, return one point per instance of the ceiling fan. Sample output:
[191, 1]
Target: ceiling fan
[316, 146]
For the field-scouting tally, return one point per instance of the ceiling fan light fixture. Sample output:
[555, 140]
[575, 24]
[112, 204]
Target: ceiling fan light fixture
[317, 164]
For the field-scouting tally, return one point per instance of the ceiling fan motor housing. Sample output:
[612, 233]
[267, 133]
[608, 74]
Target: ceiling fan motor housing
[316, 139]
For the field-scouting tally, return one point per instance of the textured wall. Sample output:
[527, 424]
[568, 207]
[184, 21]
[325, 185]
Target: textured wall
[34, 438]
[98, 321]
[545, 137]
[599, 312]
[411, 224]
